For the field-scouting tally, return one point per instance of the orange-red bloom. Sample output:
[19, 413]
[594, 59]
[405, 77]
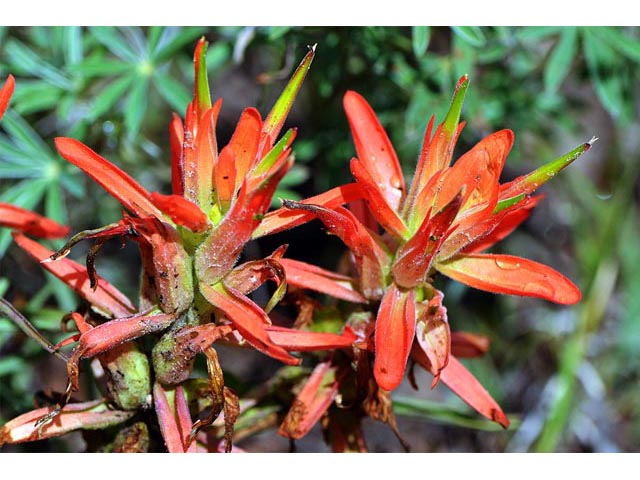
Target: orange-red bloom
[442, 223]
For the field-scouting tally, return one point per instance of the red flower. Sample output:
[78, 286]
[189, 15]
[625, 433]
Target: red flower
[190, 242]
[448, 215]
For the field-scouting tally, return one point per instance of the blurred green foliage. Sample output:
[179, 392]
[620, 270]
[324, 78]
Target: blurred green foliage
[571, 375]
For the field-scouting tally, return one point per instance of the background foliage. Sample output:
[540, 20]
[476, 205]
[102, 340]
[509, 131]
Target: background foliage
[569, 377]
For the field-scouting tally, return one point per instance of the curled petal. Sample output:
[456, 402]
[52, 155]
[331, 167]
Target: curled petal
[479, 169]
[504, 225]
[395, 329]
[511, 275]
[30, 223]
[250, 275]
[476, 232]
[92, 415]
[304, 275]
[434, 336]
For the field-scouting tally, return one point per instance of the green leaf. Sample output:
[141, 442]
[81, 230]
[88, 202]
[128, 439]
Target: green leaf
[136, 106]
[11, 364]
[153, 37]
[97, 65]
[111, 39]
[217, 55]
[54, 204]
[173, 92]
[277, 32]
[275, 119]
[109, 96]
[297, 175]
[72, 45]
[26, 194]
[560, 60]
[535, 33]
[24, 137]
[617, 39]
[474, 36]
[607, 84]
[173, 39]
[420, 40]
[35, 96]
[29, 61]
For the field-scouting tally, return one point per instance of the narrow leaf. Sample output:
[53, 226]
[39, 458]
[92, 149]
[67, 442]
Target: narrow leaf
[275, 119]
[474, 36]
[420, 40]
[529, 183]
[559, 62]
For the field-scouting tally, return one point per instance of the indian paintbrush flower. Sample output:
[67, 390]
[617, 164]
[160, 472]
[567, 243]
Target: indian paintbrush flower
[190, 242]
[442, 223]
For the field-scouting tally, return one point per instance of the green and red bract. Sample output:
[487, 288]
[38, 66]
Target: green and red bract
[447, 218]
[190, 242]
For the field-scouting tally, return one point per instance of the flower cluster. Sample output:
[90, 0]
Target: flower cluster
[194, 294]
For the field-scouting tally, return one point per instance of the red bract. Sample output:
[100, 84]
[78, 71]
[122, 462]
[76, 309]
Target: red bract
[441, 224]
